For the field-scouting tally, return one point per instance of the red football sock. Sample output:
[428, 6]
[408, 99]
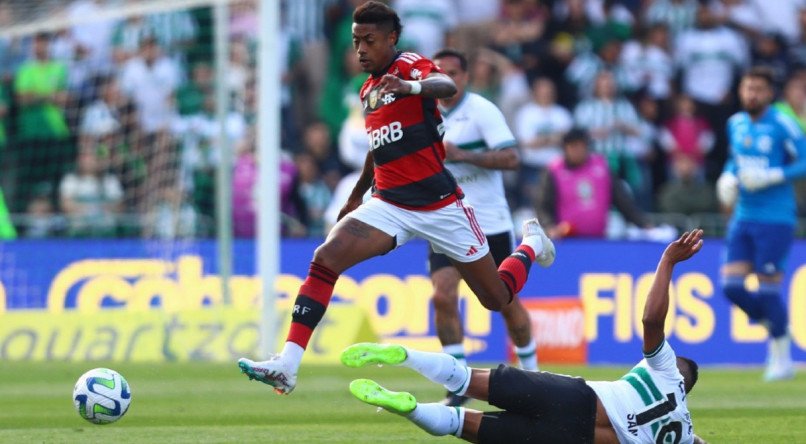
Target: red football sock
[309, 308]
[514, 270]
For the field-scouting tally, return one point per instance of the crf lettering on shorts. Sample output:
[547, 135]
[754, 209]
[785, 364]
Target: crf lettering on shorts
[385, 134]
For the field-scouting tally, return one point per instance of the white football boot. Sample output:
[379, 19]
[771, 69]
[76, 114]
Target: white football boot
[274, 372]
[547, 254]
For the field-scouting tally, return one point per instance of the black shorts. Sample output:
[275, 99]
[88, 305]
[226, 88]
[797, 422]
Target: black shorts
[539, 407]
[500, 247]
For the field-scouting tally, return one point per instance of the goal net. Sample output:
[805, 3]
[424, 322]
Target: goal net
[109, 147]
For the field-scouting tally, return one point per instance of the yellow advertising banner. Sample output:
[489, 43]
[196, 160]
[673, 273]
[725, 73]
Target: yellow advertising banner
[219, 334]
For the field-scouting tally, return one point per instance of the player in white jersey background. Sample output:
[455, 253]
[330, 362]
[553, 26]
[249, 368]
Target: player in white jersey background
[647, 405]
[478, 145]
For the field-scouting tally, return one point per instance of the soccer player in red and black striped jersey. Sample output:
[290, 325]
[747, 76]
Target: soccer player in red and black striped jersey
[413, 194]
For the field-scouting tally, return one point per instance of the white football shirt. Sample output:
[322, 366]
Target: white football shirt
[648, 404]
[476, 124]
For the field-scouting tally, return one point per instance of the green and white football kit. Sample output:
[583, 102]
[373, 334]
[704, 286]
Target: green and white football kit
[648, 404]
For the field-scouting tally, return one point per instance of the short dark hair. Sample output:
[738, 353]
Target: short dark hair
[575, 135]
[763, 73]
[691, 376]
[380, 15]
[450, 52]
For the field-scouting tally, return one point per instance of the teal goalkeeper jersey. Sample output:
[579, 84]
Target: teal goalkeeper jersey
[774, 140]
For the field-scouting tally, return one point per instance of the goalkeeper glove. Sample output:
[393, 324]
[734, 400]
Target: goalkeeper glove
[727, 189]
[754, 179]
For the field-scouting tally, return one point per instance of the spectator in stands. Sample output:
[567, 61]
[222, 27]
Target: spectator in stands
[292, 205]
[426, 24]
[90, 198]
[43, 148]
[353, 140]
[41, 219]
[540, 126]
[769, 50]
[687, 192]
[677, 15]
[244, 21]
[239, 71]
[709, 57]
[306, 24]
[108, 127]
[200, 151]
[643, 148]
[191, 95]
[244, 184]
[317, 142]
[498, 80]
[586, 66]
[314, 191]
[780, 16]
[739, 14]
[173, 217]
[610, 20]
[92, 39]
[126, 38]
[475, 21]
[81, 70]
[687, 134]
[610, 119]
[175, 32]
[576, 195]
[647, 64]
[352, 153]
[11, 48]
[518, 32]
[796, 52]
[150, 79]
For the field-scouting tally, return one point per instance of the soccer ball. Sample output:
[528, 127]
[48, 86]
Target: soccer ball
[102, 396]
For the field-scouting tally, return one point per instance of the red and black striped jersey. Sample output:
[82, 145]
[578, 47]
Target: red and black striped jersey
[405, 136]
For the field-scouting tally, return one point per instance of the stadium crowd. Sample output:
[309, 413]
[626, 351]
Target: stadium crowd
[108, 128]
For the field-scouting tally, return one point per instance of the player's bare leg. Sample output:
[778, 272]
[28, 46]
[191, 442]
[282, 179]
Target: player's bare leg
[350, 242]
[496, 287]
[519, 326]
[445, 282]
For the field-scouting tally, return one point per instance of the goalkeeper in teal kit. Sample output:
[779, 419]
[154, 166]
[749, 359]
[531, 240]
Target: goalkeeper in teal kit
[767, 153]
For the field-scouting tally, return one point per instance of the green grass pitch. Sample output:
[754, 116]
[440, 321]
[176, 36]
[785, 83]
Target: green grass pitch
[202, 402]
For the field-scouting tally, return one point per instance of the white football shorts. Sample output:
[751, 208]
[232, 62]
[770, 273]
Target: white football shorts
[452, 230]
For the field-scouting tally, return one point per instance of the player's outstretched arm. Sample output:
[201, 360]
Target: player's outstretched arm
[657, 303]
[435, 86]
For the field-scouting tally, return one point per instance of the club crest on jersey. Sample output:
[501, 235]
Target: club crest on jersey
[373, 99]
